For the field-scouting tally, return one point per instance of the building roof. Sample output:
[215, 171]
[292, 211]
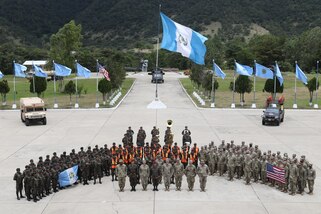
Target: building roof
[35, 62]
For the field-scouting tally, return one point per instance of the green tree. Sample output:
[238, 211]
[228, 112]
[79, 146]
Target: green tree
[312, 85]
[104, 87]
[70, 88]
[65, 44]
[243, 85]
[4, 90]
[207, 83]
[196, 75]
[40, 85]
[269, 86]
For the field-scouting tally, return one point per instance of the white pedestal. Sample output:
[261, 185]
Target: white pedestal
[212, 105]
[253, 105]
[104, 103]
[315, 106]
[295, 106]
[76, 105]
[310, 104]
[97, 105]
[233, 105]
[56, 105]
[14, 106]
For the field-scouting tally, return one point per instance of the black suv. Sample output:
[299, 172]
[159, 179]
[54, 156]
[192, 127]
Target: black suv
[157, 76]
[273, 114]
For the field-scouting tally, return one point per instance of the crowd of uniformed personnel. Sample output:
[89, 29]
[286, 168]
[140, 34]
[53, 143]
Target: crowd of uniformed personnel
[152, 163]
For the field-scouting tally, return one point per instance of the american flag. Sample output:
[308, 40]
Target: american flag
[103, 71]
[275, 173]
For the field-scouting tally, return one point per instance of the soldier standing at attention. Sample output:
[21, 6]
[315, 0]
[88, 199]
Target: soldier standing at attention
[141, 136]
[98, 170]
[311, 177]
[190, 172]
[132, 172]
[156, 174]
[167, 172]
[231, 165]
[144, 173]
[18, 177]
[247, 169]
[293, 176]
[121, 173]
[202, 172]
[178, 173]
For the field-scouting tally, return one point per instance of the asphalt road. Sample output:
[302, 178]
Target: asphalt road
[67, 129]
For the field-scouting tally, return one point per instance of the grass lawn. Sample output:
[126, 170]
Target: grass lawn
[86, 100]
[223, 96]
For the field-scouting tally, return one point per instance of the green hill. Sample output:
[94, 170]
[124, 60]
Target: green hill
[122, 23]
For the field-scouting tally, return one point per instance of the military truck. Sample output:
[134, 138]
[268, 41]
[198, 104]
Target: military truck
[273, 114]
[32, 109]
[157, 76]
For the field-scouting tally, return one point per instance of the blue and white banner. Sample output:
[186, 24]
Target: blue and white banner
[61, 70]
[243, 69]
[39, 72]
[68, 177]
[278, 74]
[300, 74]
[218, 71]
[184, 40]
[19, 70]
[263, 72]
[82, 71]
[1, 75]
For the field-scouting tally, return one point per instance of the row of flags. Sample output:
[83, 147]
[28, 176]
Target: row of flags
[60, 70]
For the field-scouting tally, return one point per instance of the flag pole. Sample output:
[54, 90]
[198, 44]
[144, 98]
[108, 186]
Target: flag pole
[316, 105]
[274, 87]
[76, 104]
[55, 99]
[233, 103]
[14, 105]
[157, 50]
[295, 104]
[254, 76]
[97, 69]
[213, 86]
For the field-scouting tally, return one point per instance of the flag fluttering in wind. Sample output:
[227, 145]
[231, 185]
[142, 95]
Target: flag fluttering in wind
[61, 70]
[278, 74]
[300, 74]
[1, 75]
[263, 72]
[19, 70]
[243, 69]
[82, 71]
[103, 71]
[184, 40]
[68, 177]
[39, 72]
[218, 71]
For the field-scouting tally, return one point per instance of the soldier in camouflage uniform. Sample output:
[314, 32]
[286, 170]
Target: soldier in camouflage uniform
[202, 172]
[293, 177]
[18, 178]
[190, 172]
[178, 174]
[311, 177]
[167, 172]
[247, 168]
[121, 173]
[144, 174]
[231, 165]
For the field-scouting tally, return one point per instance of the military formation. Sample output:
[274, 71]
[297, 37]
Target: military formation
[153, 164]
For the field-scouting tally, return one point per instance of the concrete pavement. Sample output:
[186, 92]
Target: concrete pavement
[67, 129]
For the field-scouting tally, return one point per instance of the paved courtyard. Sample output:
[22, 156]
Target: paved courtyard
[68, 129]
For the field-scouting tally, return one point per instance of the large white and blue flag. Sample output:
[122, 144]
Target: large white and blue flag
[300, 74]
[82, 71]
[1, 75]
[184, 40]
[61, 70]
[278, 73]
[68, 177]
[243, 69]
[263, 72]
[39, 72]
[19, 70]
[218, 71]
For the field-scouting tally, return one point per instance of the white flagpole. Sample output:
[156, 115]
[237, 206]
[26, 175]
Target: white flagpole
[97, 69]
[254, 103]
[316, 105]
[233, 103]
[274, 88]
[213, 86]
[14, 106]
[76, 104]
[55, 99]
[295, 104]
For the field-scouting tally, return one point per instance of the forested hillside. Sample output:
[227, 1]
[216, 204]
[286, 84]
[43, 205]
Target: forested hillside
[123, 23]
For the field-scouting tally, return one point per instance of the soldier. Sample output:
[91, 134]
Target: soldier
[293, 177]
[301, 178]
[121, 172]
[202, 172]
[247, 169]
[190, 172]
[221, 162]
[154, 131]
[85, 172]
[311, 177]
[130, 134]
[156, 174]
[132, 172]
[18, 177]
[178, 173]
[211, 161]
[238, 164]
[125, 140]
[231, 165]
[97, 169]
[167, 172]
[54, 179]
[184, 156]
[141, 136]
[263, 170]
[256, 168]
[144, 174]
[186, 136]
[114, 162]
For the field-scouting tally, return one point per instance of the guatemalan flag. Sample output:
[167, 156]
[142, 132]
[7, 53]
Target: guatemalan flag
[184, 40]
[68, 177]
